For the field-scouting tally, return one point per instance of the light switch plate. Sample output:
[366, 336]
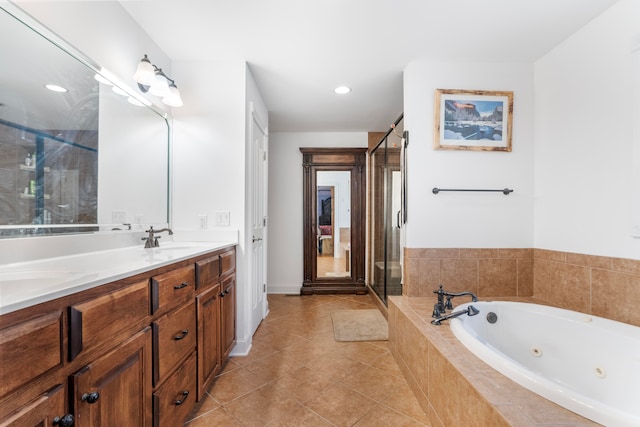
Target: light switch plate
[118, 217]
[222, 219]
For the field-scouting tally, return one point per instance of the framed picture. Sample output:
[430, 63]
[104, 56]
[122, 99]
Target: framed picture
[475, 120]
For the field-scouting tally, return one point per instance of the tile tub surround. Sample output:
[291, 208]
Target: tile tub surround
[452, 385]
[603, 286]
[485, 272]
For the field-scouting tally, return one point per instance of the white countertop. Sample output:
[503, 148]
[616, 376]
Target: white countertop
[29, 283]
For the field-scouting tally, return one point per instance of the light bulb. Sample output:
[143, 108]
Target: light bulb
[145, 73]
[173, 99]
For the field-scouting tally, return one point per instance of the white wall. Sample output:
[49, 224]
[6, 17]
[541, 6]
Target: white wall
[469, 220]
[584, 139]
[104, 32]
[285, 258]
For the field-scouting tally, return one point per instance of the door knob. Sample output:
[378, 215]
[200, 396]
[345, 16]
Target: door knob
[256, 239]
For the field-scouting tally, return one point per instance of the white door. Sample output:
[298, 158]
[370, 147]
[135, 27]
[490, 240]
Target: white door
[258, 211]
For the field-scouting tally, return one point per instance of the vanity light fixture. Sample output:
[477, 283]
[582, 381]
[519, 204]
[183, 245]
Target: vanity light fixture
[153, 80]
[56, 88]
[342, 90]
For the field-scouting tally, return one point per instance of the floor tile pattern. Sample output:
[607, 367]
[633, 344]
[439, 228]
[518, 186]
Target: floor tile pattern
[298, 375]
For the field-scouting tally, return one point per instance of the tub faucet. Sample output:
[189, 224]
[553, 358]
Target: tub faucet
[442, 306]
[151, 241]
[470, 311]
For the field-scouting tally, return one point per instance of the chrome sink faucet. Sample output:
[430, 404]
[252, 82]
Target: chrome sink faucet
[151, 241]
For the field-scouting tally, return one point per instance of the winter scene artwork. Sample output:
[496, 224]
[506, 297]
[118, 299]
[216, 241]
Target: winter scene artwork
[473, 120]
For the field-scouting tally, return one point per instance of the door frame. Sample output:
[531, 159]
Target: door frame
[353, 160]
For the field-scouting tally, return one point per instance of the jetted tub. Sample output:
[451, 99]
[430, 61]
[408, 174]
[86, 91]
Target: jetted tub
[587, 364]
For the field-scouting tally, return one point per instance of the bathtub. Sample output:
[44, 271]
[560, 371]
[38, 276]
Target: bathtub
[587, 364]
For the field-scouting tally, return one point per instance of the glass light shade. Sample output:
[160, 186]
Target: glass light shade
[160, 85]
[173, 99]
[145, 74]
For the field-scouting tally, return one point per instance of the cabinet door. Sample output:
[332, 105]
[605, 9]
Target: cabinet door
[115, 389]
[44, 410]
[228, 316]
[208, 311]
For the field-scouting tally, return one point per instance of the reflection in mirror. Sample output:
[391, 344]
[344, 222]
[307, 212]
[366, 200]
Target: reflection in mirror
[333, 195]
[78, 159]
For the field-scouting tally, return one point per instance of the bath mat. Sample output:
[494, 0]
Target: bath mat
[359, 325]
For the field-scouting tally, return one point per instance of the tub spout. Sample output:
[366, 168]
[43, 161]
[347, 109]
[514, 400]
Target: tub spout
[470, 311]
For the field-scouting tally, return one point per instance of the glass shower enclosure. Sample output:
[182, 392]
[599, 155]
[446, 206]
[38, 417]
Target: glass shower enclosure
[385, 271]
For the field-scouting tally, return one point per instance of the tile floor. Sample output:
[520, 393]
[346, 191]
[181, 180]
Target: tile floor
[298, 375]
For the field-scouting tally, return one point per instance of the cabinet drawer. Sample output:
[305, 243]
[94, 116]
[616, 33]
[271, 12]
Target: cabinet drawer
[170, 289]
[174, 400]
[100, 319]
[228, 262]
[207, 271]
[29, 349]
[174, 337]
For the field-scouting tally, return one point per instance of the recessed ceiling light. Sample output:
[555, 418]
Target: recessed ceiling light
[341, 90]
[55, 88]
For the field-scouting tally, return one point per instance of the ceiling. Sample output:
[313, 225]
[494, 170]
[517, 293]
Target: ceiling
[300, 50]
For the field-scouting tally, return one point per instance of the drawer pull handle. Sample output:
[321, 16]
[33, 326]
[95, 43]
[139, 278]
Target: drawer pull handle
[185, 394]
[181, 335]
[65, 421]
[180, 286]
[90, 398]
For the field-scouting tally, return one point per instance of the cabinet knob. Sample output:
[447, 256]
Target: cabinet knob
[65, 421]
[222, 294]
[185, 394]
[90, 397]
[181, 335]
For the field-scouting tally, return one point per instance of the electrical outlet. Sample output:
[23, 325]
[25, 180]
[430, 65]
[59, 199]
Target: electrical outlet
[223, 219]
[138, 218]
[118, 217]
[203, 221]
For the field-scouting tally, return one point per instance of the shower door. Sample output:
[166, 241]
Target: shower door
[385, 272]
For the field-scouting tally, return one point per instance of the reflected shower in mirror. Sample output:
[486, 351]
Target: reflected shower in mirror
[78, 156]
[333, 189]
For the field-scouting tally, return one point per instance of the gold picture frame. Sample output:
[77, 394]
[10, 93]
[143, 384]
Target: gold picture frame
[476, 120]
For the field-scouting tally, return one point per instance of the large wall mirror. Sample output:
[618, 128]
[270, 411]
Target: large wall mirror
[334, 218]
[84, 158]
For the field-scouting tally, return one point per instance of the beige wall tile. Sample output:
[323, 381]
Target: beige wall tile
[525, 277]
[459, 275]
[497, 277]
[626, 265]
[616, 296]
[590, 260]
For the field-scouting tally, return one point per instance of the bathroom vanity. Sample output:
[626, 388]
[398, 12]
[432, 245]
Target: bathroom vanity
[136, 342]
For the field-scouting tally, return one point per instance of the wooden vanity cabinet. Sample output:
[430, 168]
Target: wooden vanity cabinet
[135, 352]
[216, 315]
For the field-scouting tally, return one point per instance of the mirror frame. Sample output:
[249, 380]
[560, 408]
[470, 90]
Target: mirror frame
[334, 159]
